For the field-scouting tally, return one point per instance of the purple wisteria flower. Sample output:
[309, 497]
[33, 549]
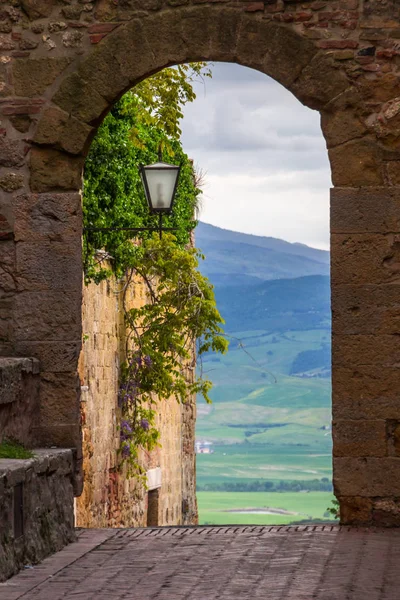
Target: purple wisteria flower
[147, 361]
[126, 431]
[126, 427]
[126, 450]
[144, 424]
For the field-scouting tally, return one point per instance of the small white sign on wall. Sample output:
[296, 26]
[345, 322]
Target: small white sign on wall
[154, 478]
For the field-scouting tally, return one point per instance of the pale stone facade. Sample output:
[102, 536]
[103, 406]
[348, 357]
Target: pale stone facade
[109, 498]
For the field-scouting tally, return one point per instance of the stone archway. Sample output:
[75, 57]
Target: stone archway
[338, 61]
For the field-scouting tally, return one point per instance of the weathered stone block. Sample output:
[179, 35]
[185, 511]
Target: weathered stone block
[52, 171]
[199, 27]
[362, 210]
[366, 309]
[7, 268]
[19, 398]
[393, 171]
[105, 74]
[285, 62]
[359, 438]
[355, 510]
[357, 163]
[60, 130]
[158, 30]
[67, 435]
[76, 97]
[319, 83]
[365, 392]
[386, 512]
[32, 76]
[59, 398]
[12, 371]
[49, 266]
[375, 350]
[366, 477]
[342, 125]
[393, 437]
[48, 217]
[11, 153]
[56, 356]
[364, 259]
[11, 182]
[48, 315]
[6, 227]
[36, 9]
[21, 122]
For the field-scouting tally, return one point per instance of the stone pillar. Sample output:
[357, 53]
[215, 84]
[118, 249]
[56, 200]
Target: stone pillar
[47, 308]
[366, 353]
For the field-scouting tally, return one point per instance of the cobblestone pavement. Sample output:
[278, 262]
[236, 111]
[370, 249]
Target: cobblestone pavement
[207, 563]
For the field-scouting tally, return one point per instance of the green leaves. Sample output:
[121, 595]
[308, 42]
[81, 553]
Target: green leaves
[181, 311]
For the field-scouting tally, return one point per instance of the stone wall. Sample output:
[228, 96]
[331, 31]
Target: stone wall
[109, 498]
[36, 508]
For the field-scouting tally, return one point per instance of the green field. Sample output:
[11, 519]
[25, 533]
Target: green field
[214, 507]
[244, 462]
[265, 425]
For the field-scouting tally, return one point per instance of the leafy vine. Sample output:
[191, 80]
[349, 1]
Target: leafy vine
[180, 317]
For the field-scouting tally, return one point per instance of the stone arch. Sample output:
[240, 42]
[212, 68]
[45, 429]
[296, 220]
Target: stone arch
[359, 108]
[143, 46]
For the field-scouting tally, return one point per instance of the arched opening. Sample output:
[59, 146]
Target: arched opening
[364, 248]
[270, 371]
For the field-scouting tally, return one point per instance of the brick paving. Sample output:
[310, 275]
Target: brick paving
[225, 563]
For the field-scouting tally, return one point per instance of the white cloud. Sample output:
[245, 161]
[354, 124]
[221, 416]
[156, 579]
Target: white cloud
[264, 155]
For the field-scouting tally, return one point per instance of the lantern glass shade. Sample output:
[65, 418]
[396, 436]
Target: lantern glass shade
[160, 181]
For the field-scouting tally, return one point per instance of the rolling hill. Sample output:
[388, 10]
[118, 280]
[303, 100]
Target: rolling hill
[270, 417]
[235, 258]
[278, 305]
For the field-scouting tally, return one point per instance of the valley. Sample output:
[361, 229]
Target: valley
[269, 423]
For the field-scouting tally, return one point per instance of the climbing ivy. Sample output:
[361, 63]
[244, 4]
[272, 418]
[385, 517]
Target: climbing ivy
[181, 312]
[161, 359]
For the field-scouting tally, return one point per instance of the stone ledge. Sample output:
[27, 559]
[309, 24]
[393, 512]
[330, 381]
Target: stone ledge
[45, 460]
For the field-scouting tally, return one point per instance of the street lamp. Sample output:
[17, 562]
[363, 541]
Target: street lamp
[160, 181]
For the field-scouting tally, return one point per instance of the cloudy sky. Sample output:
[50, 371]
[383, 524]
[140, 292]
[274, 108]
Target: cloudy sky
[264, 157]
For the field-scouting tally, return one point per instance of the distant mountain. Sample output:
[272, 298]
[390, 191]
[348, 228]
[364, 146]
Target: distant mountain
[277, 306]
[235, 258]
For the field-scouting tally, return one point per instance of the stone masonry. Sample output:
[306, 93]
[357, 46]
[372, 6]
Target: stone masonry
[63, 64]
[109, 498]
[36, 508]
[19, 398]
